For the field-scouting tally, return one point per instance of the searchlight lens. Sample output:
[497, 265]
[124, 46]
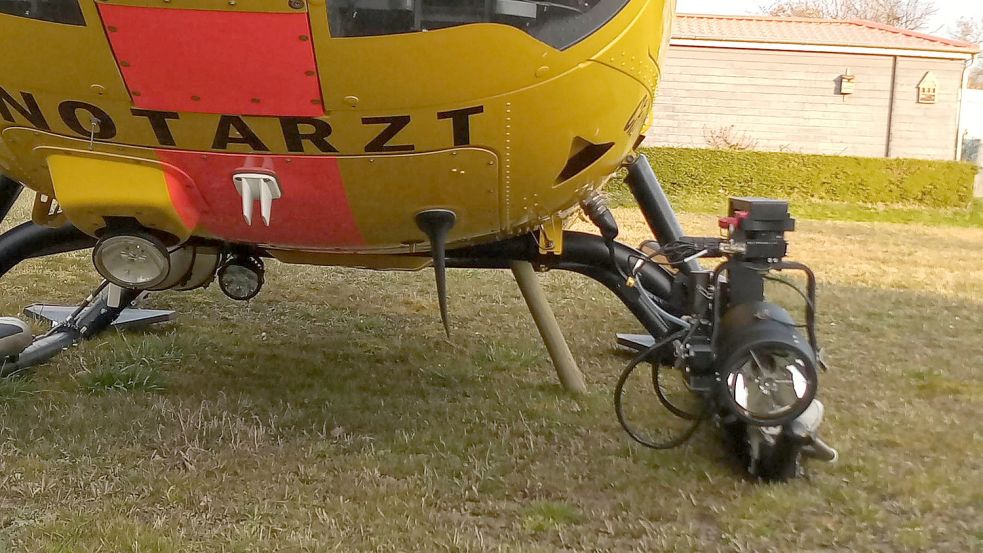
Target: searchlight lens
[241, 278]
[136, 261]
[770, 386]
[559, 23]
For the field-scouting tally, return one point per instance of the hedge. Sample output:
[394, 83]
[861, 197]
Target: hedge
[716, 173]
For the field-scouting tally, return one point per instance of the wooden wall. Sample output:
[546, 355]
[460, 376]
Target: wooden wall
[790, 101]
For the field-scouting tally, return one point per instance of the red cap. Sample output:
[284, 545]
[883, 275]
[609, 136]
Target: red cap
[730, 223]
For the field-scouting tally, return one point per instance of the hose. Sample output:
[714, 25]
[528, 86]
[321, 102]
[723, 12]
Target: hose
[619, 393]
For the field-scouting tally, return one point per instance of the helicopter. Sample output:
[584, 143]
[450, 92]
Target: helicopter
[186, 141]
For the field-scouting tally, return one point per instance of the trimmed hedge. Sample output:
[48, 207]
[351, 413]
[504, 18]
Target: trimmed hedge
[716, 173]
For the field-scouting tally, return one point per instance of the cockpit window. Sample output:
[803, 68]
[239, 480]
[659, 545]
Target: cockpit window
[56, 11]
[559, 23]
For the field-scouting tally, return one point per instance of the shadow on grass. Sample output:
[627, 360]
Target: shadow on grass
[399, 364]
[385, 411]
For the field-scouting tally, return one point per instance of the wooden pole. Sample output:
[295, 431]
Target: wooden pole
[566, 367]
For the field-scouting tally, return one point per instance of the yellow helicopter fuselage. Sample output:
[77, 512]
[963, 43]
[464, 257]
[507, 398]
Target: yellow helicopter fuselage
[146, 111]
[185, 141]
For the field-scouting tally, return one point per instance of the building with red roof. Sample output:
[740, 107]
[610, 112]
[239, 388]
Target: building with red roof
[812, 86]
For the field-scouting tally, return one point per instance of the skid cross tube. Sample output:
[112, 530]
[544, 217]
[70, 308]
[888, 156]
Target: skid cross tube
[588, 255]
[10, 191]
[29, 241]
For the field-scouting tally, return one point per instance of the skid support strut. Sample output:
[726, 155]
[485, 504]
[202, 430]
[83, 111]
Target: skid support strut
[566, 367]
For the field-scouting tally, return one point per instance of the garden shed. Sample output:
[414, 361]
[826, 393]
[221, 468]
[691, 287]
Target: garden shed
[811, 85]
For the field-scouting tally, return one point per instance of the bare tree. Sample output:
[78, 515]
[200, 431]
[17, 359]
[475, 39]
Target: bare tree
[976, 77]
[968, 29]
[971, 30]
[907, 14]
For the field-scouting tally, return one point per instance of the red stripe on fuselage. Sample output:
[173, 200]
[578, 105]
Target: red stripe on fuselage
[312, 213]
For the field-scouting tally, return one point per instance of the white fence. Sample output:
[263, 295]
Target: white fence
[972, 118]
[972, 132]
[972, 125]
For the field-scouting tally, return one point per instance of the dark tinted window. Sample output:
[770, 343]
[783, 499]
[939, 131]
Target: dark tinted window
[559, 23]
[57, 11]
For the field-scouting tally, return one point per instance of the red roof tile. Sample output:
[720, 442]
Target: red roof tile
[817, 32]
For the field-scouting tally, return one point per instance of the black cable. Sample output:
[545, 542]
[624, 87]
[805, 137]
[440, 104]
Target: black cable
[717, 298]
[791, 285]
[805, 298]
[614, 259]
[620, 392]
[810, 304]
[678, 252]
[643, 295]
[660, 393]
[647, 300]
[665, 401]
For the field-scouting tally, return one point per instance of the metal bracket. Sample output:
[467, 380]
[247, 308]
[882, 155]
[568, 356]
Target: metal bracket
[550, 237]
[47, 211]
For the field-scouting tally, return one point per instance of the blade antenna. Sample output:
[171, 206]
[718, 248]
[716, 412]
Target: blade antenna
[437, 224]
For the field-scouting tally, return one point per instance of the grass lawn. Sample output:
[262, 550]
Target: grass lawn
[330, 413]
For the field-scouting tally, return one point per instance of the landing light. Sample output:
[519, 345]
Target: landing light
[138, 261]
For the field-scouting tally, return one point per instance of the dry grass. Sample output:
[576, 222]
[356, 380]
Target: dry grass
[330, 414]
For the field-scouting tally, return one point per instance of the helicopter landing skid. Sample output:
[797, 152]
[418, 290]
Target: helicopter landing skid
[72, 325]
[128, 318]
[635, 342]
